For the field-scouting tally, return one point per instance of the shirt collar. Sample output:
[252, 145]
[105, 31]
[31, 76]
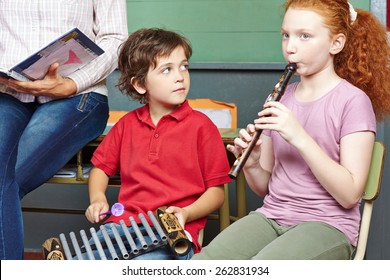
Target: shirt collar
[179, 114]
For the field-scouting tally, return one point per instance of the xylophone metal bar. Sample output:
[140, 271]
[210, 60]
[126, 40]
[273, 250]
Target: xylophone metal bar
[119, 241]
[129, 238]
[87, 245]
[138, 233]
[109, 244]
[148, 229]
[65, 246]
[98, 245]
[76, 245]
[157, 226]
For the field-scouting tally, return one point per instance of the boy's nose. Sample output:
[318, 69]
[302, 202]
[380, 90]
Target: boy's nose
[179, 76]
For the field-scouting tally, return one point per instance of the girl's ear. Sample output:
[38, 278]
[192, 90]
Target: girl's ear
[138, 86]
[338, 43]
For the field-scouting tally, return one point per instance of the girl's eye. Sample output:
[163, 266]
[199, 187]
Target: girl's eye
[285, 36]
[166, 70]
[305, 36]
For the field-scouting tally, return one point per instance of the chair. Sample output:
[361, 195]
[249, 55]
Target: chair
[371, 192]
[222, 114]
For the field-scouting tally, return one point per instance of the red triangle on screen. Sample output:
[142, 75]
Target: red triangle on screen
[73, 58]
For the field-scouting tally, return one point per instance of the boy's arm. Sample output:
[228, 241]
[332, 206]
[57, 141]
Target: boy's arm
[97, 185]
[207, 203]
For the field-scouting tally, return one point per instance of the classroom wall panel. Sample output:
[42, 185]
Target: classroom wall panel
[240, 31]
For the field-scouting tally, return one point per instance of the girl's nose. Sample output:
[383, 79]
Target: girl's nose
[290, 46]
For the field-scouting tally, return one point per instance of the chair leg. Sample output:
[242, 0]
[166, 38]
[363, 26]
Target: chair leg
[364, 229]
[224, 212]
[79, 158]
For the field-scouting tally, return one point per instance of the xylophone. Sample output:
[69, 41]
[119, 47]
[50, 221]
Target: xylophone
[165, 231]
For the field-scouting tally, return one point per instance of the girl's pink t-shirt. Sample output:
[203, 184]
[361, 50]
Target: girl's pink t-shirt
[295, 195]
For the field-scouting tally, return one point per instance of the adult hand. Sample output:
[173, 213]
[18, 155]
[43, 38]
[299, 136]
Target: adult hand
[52, 85]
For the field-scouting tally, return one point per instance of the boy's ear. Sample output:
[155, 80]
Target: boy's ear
[338, 43]
[138, 86]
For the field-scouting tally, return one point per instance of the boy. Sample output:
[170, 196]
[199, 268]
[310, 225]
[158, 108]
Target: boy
[166, 153]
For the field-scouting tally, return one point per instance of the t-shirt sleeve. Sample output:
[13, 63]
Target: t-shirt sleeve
[361, 119]
[213, 157]
[107, 154]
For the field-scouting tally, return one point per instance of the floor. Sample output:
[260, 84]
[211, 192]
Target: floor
[33, 255]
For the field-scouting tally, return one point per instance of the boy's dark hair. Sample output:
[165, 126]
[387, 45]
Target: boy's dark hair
[141, 51]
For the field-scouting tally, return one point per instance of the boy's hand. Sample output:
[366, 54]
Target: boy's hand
[93, 211]
[180, 213]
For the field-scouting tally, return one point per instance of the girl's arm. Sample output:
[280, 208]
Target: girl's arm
[345, 181]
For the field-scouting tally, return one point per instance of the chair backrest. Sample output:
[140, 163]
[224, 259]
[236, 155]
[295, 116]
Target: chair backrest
[223, 114]
[115, 116]
[371, 192]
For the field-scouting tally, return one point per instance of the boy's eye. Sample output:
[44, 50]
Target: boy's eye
[184, 67]
[285, 36]
[166, 70]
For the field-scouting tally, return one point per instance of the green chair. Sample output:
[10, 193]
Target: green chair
[370, 193]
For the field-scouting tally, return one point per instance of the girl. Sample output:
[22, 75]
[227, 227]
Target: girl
[312, 160]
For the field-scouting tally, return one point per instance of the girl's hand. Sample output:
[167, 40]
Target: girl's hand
[242, 142]
[278, 117]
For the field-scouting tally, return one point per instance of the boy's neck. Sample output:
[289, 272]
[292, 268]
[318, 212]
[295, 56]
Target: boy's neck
[157, 112]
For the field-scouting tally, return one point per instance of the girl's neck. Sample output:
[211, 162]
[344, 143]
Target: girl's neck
[315, 86]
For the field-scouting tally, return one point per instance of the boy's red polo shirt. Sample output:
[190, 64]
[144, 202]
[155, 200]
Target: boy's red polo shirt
[171, 164]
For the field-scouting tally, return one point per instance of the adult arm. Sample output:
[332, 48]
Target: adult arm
[110, 30]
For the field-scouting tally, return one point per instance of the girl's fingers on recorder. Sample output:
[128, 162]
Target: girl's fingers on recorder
[239, 143]
[246, 134]
[250, 128]
[235, 149]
